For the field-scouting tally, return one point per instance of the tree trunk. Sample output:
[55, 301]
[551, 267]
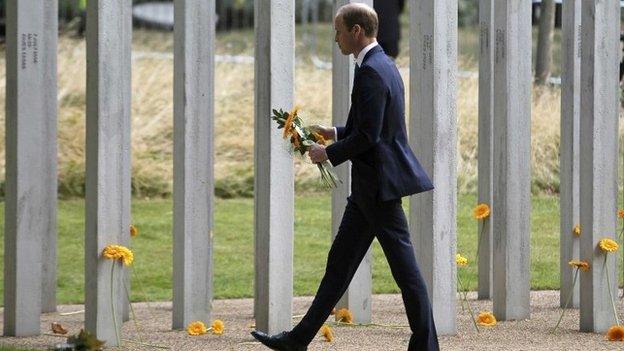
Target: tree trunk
[543, 60]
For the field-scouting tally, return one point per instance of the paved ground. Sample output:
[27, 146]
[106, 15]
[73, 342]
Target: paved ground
[155, 321]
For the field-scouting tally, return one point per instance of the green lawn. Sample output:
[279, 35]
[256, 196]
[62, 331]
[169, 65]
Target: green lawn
[233, 247]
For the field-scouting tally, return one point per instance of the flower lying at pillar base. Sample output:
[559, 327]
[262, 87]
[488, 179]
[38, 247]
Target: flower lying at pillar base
[327, 333]
[133, 231]
[343, 315]
[217, 327]
[616, 333]
[196, 328]
[486, 319]
[608, 245]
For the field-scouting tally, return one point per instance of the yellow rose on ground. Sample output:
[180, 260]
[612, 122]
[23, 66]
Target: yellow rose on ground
[582, 265]
[133, 230]
[196, 328]
[344, 315]
[576, 230]
[616, 333]
[327, 333]
[608, 245]
[461, 260]
[486, 319]
[217, 327]
[482, 211]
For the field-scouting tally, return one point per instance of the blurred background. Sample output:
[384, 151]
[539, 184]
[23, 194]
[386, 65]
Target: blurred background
[153, 97]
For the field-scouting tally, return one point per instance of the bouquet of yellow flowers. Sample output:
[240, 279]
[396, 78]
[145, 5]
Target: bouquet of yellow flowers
[301, 138]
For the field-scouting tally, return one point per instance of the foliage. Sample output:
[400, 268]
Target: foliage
[468, 12]
[85, 341]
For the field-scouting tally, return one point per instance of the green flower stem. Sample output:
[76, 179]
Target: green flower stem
[472, 317]
[481, 238]
[622, 243]
[136, 323]
[145, 298]
[461, 300]
[617, 320]
[565, 306]
[112, 285]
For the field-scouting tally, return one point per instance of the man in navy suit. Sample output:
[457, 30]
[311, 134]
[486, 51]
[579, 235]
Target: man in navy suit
[384, 169]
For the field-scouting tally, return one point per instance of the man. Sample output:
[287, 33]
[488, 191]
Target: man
[384, 169]
[389, 33]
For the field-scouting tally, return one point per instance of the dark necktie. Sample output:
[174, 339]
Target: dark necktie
[356, 68]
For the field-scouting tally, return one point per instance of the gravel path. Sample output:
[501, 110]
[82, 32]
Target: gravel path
[155, 321]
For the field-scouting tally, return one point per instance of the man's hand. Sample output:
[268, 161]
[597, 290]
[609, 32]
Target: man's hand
[326, 132]
[317, 153]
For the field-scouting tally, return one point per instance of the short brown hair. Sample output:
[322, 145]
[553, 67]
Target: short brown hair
[361, 14]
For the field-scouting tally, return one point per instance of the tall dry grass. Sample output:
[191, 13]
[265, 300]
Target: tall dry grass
[152, 119]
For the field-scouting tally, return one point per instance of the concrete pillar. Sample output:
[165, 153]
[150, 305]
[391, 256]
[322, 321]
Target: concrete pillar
[358, 297]
[486, 115]
[193, 179]
[109, 35]
[512, 156]
[30, 213]
[433, 136]
[599, 157]
[569, 161]
[274, 183]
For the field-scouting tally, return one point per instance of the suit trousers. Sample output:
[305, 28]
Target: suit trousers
[361, 223]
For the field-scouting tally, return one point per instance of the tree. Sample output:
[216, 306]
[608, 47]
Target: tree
[543, 60]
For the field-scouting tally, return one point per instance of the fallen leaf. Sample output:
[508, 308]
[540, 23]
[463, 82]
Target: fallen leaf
[57, 328]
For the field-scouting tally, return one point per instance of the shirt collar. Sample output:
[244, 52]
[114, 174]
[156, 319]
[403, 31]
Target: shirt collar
[360, 58]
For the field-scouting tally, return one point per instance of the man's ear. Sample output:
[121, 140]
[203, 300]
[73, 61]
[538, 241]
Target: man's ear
[357, 30]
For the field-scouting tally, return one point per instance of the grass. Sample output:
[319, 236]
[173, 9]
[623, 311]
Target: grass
[233, 247]
[152, 114]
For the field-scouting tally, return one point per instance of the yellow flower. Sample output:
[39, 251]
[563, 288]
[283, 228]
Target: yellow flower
[576, 230]
[196, 328]
[327, 333]
[217, 327]
[582, 265]
[118, 252]
[133, 230]
[319, 138]
[295, 140]
[461, 260]
[482, 211]
[616, 333]
[288, 125]
[486, 319]
[608, 245]
[621, 213]
[344, 315]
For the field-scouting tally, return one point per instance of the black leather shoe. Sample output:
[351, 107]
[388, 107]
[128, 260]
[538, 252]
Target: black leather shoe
[279, 342]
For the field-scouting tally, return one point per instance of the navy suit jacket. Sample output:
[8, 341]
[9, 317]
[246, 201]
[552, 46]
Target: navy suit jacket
[375, 138]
